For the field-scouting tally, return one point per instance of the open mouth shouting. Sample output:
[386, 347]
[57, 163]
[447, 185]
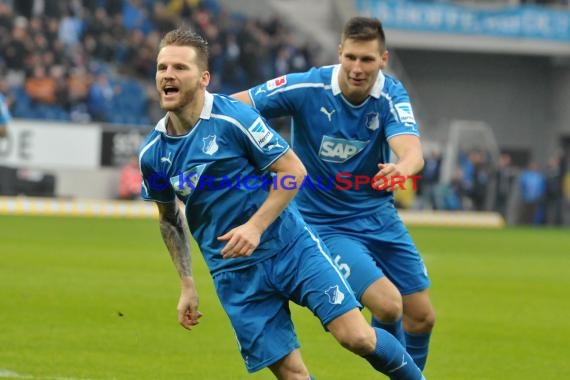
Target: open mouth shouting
[170, 91]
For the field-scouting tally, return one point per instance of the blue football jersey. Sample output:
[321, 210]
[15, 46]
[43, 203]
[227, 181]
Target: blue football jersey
[336, 139]
[218, 170]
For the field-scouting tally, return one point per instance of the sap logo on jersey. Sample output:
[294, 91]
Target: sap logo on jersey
[405, 112]
[340, 150]
[260, 133]
[277, 82]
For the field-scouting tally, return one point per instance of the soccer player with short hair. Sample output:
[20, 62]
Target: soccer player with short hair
[259, 251]
[345, 119]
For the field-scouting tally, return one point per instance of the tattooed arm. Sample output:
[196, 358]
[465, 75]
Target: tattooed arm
[175, 235]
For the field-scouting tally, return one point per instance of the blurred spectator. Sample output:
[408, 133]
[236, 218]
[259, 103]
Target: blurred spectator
[70, 29]
[183, 8]
[162, 18]
[554, 196]
[100, 98]
[505, 176]
[566, 197]
[429, 180]
[4, 117]
[40, 87]
[532, 190]
[24, 7]
[232, 73]
[451, 196]
[17, 48]
[135, 16]
[130, 181]
[6, 19]
[476, 178]
[78, 82]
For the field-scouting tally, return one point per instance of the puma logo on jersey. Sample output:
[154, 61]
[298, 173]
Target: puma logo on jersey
[166, 159]
[327, 113]
[276, 145]
[260, 90]
[339, 150]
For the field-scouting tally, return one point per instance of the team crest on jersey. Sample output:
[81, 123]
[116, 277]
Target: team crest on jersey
[405, 112]
[210, 145]
[277, 82]
[336, 296]
[260, 133]
[339, 150]
[372, 121]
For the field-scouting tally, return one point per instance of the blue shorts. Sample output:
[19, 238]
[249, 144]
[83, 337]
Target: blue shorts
[256, 298]
[367, 248]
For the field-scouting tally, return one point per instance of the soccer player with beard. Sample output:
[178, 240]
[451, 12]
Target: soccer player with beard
[259, 251]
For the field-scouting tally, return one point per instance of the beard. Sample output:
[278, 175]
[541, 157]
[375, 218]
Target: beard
[184, 98]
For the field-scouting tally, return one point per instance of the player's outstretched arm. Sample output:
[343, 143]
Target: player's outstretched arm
[243, 240]
[175, 235]
[243, 97]
[408, 149]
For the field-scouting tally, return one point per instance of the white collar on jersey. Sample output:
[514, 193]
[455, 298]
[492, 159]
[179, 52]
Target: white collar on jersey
[208, 104]
[205, 114]
[376, 89]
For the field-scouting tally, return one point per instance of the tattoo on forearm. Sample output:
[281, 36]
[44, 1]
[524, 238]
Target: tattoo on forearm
[175, 236]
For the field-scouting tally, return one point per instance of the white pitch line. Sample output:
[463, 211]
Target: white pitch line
[6, 373]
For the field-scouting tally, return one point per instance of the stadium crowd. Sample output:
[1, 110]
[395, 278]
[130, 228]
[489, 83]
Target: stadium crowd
[522, 194]
[91, 60]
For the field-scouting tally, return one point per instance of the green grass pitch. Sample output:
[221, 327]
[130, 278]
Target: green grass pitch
[96, 299]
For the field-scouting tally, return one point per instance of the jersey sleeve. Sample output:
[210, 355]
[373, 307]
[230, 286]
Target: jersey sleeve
[261, 143]
[276, 97]
[400, 119]
[155, 185]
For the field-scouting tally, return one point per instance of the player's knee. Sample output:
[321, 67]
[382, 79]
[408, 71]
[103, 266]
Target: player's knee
[361, 341]
[421, 321]
[383, 299]
[290, 367]
[428, 320]
[290, 372]
[388, 310]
